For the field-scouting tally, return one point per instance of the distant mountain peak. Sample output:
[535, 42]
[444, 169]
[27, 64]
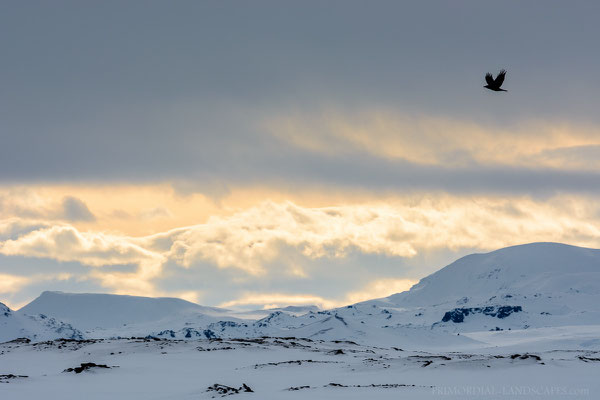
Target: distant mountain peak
[542, 266]
[92, 310]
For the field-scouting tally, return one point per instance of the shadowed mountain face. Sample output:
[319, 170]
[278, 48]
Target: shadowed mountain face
[520, 287]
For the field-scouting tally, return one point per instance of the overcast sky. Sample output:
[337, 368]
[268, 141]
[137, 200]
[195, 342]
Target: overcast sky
[249, 154]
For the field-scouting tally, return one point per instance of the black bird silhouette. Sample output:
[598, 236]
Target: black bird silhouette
[494, 84]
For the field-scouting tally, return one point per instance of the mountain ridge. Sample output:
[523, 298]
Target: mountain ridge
[90, 310]
[533, 285]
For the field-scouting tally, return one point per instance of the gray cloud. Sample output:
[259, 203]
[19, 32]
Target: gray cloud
[73, 209]
[583, 157]
[176, 92]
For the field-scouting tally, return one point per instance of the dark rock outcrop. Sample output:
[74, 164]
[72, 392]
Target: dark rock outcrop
[458, 314]
[225, 390]
[85, 367]
[6, 378]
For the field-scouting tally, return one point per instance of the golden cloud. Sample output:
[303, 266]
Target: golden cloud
[379, 288]
[274, 300]
[442, 141]
[373, 290]
[66, 243]
[12, 283]
[249, 240]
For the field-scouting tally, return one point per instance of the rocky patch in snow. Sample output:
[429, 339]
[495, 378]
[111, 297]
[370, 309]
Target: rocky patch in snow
[86, 367]
[292, 362]
[224, 390]
[6, 378]
[458, 314]
[525, 357]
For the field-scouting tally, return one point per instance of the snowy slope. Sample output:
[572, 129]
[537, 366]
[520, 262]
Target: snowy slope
[525, 270]
[39, 327]
[534, 285]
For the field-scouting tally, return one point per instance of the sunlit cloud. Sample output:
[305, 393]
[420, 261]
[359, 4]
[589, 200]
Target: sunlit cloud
[128, 209]
[374, 289]
[16, 227]
[189, 295]
[95, 249]
[249, 239]
[257, 241]
[156, 212]
[436, 140]
[379, 288]
[27, 202]
[12, 283]
[274, 300]
[65, 243]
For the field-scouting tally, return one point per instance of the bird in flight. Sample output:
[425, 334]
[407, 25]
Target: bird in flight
[494, 84]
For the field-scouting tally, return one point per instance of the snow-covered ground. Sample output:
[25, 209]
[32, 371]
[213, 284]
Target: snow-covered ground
[519, 322]
[276, 368]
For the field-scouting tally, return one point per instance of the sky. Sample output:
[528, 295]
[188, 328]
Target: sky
[267, 153]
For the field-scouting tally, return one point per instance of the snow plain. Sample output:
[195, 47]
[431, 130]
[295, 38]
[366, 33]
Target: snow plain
[282, 368]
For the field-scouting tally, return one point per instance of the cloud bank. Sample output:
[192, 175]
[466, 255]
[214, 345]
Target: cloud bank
[277, 243]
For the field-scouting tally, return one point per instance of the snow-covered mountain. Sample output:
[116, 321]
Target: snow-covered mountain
[39, 327]
[533, 285]
[521, 287]
[525, 270]
[91, 311]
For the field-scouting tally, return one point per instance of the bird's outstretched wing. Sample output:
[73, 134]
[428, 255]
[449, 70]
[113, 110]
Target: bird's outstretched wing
[500, 78]
[489, 79]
